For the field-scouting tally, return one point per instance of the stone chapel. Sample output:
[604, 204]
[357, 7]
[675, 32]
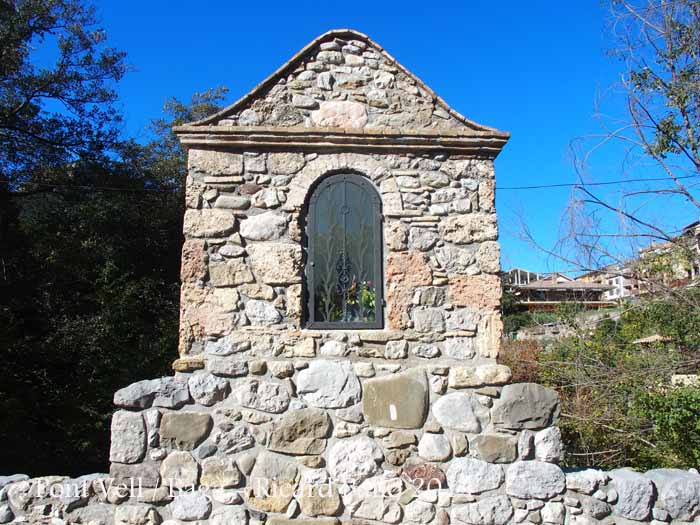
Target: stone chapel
[340, 328]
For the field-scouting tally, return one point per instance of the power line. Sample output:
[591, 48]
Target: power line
[584, 184]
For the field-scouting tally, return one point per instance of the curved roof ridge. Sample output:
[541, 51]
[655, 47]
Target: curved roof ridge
[357, 35]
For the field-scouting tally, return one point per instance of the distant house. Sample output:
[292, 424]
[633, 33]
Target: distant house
[519, 277]
[672, 264]
[619, 277]
[551, 291]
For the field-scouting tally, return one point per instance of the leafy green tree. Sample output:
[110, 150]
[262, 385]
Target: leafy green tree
[90, 238]
[57, 92]
[92, 303]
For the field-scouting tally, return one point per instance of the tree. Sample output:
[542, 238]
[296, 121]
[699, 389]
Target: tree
[92, 304]
[58, 112]
[618, 405]
[90, 238]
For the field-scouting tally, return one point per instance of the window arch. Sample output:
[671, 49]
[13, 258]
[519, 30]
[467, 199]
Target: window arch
[344, 254]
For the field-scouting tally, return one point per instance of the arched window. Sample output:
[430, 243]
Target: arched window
[344, 257]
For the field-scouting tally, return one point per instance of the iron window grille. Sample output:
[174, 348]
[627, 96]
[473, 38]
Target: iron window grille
[344, 284]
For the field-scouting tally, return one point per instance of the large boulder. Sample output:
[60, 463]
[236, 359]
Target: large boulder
[487, 511]
[329, 384]
[301, 432]
[262, 395]
[264, 227]
[473, 476]
[184, 430]
[128, 437]
[635, 494]
[525, 406]
[274, 480]
[354, 460]
[166, 392]
[534, 479]
[397, 400]
[679, 492]
[461, 411]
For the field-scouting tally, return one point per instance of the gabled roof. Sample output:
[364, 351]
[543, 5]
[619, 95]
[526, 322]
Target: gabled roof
[438, 126]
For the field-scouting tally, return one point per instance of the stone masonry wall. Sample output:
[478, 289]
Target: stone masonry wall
[265, 421]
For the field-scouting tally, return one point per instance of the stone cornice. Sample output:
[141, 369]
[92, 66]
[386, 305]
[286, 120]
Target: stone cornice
[486, 144]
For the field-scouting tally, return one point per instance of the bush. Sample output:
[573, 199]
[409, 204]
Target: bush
[618, 407]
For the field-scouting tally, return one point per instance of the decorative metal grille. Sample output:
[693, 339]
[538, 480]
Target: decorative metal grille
[344, 254]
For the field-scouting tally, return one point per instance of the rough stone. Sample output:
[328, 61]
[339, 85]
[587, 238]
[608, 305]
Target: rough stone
[434, 447]
[553, 512]
[273, 481]
[128, 437]
[334, 349]
[190, 506]
[261, 313]
[396, 350]
[220, 472]
[470, 228]
[419, 512]
[207, 389]
[396, 401]
[422, 239]
[548, 445]
[208, 223]
[232, 202]
[474, 377]
[329, 384]
[476, 291]
[340, 114]
[233, 272]
[184, 430]
[301, 432]
[534, 479]
[231, 440]
[229, 515]
[179, 470]
[459, 347]
[215, 162]
[354, 460]
[496, 510]
[428, 320]
[226, 346]
[473, 476]
[166, 392]
[462, 319]
[262, 395]
[317, 496]
[495, 448]
[276, 263]
[635, 494]
[287, 163]
[424, 476]
[266, 226]
[136, 515]
[525, 406]
[194, 264]
[146, 473]
[679, 492]
[585, 481]
[227, 367]
[404, 271]
[461, 411]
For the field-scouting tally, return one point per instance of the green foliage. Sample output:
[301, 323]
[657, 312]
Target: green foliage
[77, 82]
[674, 416]
[90, 239]
[618, 406]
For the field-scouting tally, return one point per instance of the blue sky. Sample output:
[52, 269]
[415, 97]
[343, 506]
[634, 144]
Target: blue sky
[532, 68]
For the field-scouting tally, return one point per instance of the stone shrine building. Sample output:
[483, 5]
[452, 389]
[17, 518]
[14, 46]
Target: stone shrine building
[340, 329]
